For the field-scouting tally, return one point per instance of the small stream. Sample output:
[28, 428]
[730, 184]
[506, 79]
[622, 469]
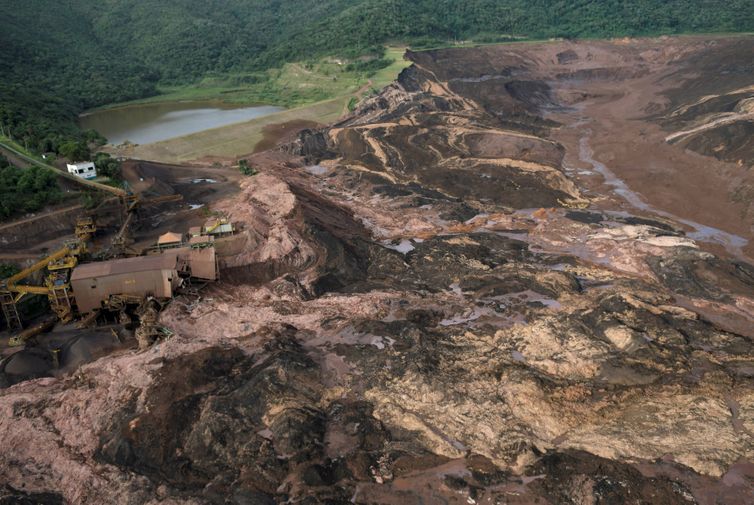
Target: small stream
[702, 233]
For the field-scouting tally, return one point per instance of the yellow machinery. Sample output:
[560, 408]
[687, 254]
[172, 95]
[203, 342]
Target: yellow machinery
[57, 287]
[60, 263]
[85, 228]
[215, 226]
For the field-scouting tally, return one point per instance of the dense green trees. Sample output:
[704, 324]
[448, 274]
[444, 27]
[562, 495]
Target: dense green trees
[108, 166]
[26, 190]
[75, 150]
[59, 58]
[53, 66]
[246, 169]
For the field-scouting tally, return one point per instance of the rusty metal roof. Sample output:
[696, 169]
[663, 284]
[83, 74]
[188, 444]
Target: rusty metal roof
[165, 261]
[170, 238]
[201, 239]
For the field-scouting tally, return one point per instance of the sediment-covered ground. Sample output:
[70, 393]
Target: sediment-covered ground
[521, 274]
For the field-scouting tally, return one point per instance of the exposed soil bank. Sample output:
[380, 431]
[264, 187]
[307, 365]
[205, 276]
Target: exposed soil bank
[274, 134]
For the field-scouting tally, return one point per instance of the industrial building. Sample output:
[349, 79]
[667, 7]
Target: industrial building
[201, 257]
[169, 240]
[74, 288]
[157, 276]
[123, 286]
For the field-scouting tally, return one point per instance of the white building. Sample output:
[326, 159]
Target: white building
[85, 169]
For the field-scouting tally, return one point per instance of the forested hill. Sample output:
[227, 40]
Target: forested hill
[59, 57]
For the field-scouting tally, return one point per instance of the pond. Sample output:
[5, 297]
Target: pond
[153, 122]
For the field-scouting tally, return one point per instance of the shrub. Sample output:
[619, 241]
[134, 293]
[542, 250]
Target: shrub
[246, 169]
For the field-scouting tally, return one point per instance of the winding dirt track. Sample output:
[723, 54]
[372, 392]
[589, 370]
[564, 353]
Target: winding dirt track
[44, 215]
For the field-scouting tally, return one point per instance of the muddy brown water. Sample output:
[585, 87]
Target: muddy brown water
[153, 122]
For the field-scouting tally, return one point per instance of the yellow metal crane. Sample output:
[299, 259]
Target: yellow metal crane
[215, 226]
[220, 222]
[57, 287]
[60, 263]
[120, 240]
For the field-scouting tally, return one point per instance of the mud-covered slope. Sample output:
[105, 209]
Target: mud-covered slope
[421, 132]
[712, 113]
[425, 303]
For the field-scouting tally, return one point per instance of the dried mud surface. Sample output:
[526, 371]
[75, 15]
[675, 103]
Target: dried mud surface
[463, 293]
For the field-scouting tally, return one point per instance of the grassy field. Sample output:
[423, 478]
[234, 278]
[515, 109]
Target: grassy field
[317, 92]
[293, 85]
[388, 74]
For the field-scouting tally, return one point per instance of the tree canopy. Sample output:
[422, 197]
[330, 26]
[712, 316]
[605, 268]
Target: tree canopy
[26, 190]
[60, 58]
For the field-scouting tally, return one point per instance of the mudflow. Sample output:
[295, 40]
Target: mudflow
[520, 274]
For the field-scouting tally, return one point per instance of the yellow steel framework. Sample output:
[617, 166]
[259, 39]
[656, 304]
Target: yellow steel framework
[216, 225]
[56, 288]
[61, 263]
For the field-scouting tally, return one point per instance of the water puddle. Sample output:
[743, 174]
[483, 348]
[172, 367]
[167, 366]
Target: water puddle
[316, 170]
[466, 317]
[456, 289]
[382, 342]
[528, 479]
[404, 246]
[486, 314]
[527, 297]
[483, 78]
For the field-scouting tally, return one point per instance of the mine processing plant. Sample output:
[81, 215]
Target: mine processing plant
[77, 286]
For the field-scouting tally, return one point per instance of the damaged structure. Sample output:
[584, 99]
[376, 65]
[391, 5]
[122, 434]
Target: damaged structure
[157, 275]
[94, 283]
[214, 227]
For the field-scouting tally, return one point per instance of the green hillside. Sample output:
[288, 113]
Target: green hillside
[59, 58]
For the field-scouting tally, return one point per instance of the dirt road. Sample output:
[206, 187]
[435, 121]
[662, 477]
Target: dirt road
[44, 215]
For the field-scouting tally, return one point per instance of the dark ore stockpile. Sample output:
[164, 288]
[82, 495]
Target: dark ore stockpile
[519, 275]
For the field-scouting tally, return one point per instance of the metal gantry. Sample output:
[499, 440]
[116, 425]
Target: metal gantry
[57, 287]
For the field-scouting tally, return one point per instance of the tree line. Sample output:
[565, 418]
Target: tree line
[60, 58]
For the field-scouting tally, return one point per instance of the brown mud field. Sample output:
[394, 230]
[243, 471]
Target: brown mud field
[624, 116]
[520, 274]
